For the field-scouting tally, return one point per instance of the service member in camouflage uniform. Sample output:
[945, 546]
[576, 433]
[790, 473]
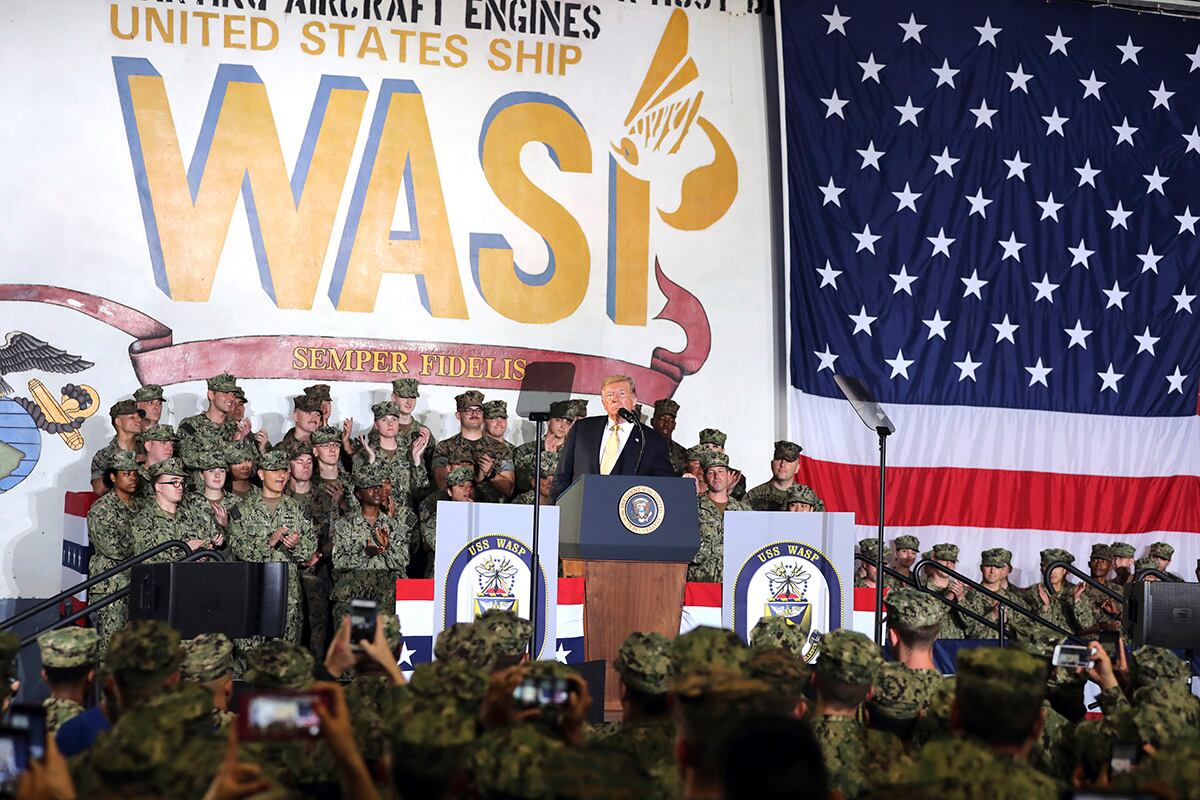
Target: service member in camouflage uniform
[269, 526]
[69, 660]
[854, 753]
[954, 625]
[157, 443]
[151, 402]
[306, 418]
[110, 532]
[772, 495]
[563, 414]
[771, 633]
[241, 459]
[400, 460]
[1064, 608]
[995, 566]
[370, 548]
[998, 700]
[803, 498]
[495, 420]
[208, 661]
[646, 731]
[714, 440]
[460, 488]
[494, 477]
[1106, 611]
[914, 620]
[906, 549]
[163, 519]
[695, 468]
[708, 563]
[332, 498]
[405, 392]
[1123, 554]
[211, 498]
[214, 427]
[549, 466]
[127, 421]
[869, 548]
[665, 414]
[900, 696]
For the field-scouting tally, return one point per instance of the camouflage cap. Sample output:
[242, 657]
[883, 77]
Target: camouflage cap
[296, 448]
[1056, 554]
[644, 662]
[787, 675]
[786, 451]
[597, 772]
[453, 681]
[69, 647]
[1030, 636]
[222, 383]
[906, 543]
[274, 459]
[1160, 724]
[1161, 550]
[560, 409]
[913, 608]
[509, 634]
[148, 393]
[385, 408]
[369, 474]
[10, 645]
[945, 552]
[240, 394]
[158, 433]
[460, 475]
[1000, 678]
[207, 657]
[202, 458]
[123, 408]
[320, 391]
[696, 452]
[406, 387]
[712, 458]
[1152, 663]
[279, 664]
[799, 493]
[578, 408]
[169, 466]
[1101, 551]
[513, 765]
[494, 409]
[1093, 742]
[122, 461]
[869, 548]
[307, 403]
[899, 692]
[995, 557]
[779, 632]
[238, 451]
[712, 436]
[849, 657]
[666, 407]
[143, 653]
[326, 434]
[467, 643]
[469, 399]
[702, 647]
[1145, 562]
[1122, 550]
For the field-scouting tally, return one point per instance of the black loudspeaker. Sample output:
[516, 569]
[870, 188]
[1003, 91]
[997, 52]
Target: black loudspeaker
[234, 598]
[1166, 614]
[592, 673]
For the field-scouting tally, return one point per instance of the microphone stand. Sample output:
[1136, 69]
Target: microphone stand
[629, 416]
[539, 419]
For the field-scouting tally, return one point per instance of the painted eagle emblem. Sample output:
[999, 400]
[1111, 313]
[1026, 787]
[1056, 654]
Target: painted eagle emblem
[22, 352]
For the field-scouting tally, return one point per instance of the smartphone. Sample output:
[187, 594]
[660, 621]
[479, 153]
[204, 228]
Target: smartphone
[1124, 757]
[14, 759]
[32, 720]
[1111, 642]
[362, 621]
[280, 715]
[535, 692]
[1072, 656]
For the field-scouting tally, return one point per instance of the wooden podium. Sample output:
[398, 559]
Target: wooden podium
[631, 537]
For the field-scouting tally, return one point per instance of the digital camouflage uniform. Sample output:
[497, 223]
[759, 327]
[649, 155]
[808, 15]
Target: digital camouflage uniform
[250, 527]
[156, 433]
[1064, 611]
[207, 658]
[110, 533]
[66, 648]
[356, 573]
[102, 460]
[708, 563]
[869, 548]
[524, 455]
[716, 437]
[913, 608]
[676, 451]
[198, 432]
[902, 693]
[371, 697]
[549, 465]
[406, 479]
[954, 624]
[854, 753]
[981, 604]
[455, 477]
[501, 453]
[644, 663]
[771, 633]
[1105, 620]
[154, 525]
[765, 497]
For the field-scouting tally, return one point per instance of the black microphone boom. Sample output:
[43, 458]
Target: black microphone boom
[629, 416]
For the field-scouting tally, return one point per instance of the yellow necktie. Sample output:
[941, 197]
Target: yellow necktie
[612, 448]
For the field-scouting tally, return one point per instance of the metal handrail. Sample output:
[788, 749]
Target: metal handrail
[1083, 576]
[947, 601]
[1141, 574]
[115, 596]
[929, 562]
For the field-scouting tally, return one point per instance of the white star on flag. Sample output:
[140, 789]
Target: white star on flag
[908, 112]
[1193, 139]
[1116, 297]
[1129, 50]
[1091, 86]
[1150, 259]
[1161, 96]
[831, 193]
[1081, 255]
[1194, 58]
[1156, 181]
[834, 105]
[899, 364]
[1038, 373]
[941, 243]
[827, 358]
[1146, 342]
[974, 284]
[1045, 289]
[1176, 380]
[561, 654]
[903, 280]
[1049, 207]
[1087, 174]
[907, 198]
[967, 367]
[979, 203]
[1109, 379]
[1125, 131]
[1078, 335]
[1016, 167]
[829, 276]
[1058, 42]
[837, 22]
[937, 326]
[912, 29]
[1012, 248]
[945, 74]
[1019, 78]
[405, 654]
[1054, 123]
[987, 33]
[1119, 215]
[945, 162]
[1186, 221]
[1005, 330]
[871, 68]
[862, 322]
[866, 240]
[1183, 300]
[983, 114]
[870, 156]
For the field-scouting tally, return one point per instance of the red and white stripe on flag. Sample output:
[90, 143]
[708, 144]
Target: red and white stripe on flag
[75, 538]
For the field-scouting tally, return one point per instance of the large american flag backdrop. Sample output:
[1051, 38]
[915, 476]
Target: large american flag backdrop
[991, 223]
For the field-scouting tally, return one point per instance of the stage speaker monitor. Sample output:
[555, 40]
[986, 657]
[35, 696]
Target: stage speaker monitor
[237, 599]
[1166, 614]
[592, 673]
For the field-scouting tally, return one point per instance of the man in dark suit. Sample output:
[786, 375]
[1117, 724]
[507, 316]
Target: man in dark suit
[610, 445]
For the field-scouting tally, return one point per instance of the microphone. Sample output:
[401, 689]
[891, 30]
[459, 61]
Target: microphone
[629, 416]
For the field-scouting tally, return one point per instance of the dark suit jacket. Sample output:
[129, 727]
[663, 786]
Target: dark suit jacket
[580, 453]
